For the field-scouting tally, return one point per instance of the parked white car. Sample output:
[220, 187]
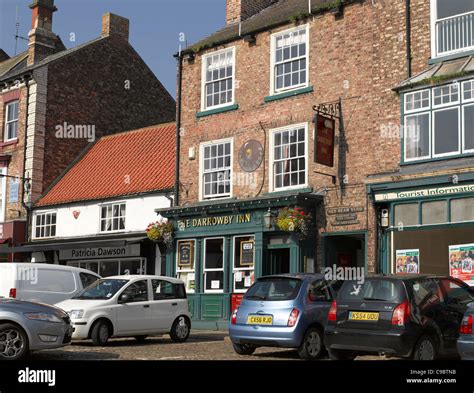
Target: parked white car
[43, 282]
[130, 306]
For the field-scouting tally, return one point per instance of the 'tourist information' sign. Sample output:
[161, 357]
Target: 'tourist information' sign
[428, 192]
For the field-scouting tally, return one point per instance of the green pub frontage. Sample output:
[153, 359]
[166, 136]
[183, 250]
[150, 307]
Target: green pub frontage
[220, 248]
[429, 225]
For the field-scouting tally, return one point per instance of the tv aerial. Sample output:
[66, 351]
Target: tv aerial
[17, 36]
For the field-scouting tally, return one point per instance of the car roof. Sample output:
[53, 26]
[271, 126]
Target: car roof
[298, 276]
[47, 266]
[404, 277]
[135, 277]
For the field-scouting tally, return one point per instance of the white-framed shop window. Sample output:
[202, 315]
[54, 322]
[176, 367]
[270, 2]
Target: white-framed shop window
[113, 267]
[218, 75]
[112, 217]
[289, 60]
[45, 225]
[185, 263]
[213, 272]
[289, 157]
[243, 263]
[216, 169]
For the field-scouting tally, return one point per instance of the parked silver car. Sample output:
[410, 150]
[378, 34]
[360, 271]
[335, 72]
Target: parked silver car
[27, 326]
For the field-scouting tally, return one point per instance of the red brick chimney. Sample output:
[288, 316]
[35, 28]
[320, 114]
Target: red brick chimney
[239, 10]
[42, 41]
[115, 26]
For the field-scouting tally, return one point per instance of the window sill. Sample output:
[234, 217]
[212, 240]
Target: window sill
[290, 191]
[458, 55]
[287, 94]
[9, 142]
[437, 159]
[217, 110]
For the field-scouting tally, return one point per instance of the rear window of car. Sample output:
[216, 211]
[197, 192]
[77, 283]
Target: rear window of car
[375, 289]
[274, 289]
[46, 280]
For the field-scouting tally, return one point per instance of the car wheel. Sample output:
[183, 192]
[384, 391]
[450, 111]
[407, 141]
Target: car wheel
[312, 346]
[425, 349]
[180, 330]
[244, 349]
[100, 333]
[13, 342]
[340, 354]
[140, 339]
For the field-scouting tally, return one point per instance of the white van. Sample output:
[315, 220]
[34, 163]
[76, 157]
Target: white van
[43, 282]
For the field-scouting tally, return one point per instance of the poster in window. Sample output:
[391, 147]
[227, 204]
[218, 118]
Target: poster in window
[186, 254]
[461, 262]
[407, 261]
[247, 253]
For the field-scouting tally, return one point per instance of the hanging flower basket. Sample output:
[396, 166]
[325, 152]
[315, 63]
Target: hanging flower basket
[294, 220]
[161, 232]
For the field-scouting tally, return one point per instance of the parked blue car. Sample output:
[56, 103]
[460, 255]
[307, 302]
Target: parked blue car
[288, 311]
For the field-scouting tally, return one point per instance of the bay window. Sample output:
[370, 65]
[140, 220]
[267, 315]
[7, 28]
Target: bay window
[452, 26]
[439, 122]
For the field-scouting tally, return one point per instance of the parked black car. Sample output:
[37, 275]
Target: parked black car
[416, 316]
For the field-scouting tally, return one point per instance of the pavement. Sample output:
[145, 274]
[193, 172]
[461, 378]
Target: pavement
[201, 345]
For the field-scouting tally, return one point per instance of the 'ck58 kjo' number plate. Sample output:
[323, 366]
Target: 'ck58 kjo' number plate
[260, 320]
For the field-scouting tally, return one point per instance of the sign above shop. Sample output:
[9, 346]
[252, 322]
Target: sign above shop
[345, 215]
[214, 221]
[251, 155]
[424, 193]
[131, 250]
[324, 141]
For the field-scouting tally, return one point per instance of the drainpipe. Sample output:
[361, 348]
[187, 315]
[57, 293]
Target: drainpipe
[27, 208]
[408, 34]
[178, 125]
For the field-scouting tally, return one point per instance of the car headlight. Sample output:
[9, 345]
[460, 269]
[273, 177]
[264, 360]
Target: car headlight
[40, 316]
[76, 314]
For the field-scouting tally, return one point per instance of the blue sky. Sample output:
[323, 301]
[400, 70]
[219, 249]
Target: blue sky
[155, 26]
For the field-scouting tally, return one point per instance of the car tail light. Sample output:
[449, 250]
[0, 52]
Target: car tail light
[466, 325]
[401, 314]
[332, 314]
[233, 320]
[12, 293]
[293, 317]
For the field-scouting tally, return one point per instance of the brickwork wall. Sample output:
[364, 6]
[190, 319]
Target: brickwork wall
[360, 58]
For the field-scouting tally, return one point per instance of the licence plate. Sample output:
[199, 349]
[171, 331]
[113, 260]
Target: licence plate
[363, 316]
[260, 320]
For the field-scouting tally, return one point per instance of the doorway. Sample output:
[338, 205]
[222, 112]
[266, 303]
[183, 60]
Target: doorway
[278, 261]
[347, 250]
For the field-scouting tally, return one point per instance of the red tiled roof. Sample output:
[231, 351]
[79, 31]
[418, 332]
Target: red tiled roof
[122, 164]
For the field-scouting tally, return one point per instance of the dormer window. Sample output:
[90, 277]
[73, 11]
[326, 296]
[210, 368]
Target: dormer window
[452, 26]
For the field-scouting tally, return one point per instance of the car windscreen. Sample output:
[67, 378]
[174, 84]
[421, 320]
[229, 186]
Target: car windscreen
[274, 289]
[102, 289]
[374, 289]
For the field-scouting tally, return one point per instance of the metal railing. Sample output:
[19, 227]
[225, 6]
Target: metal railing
[455, 34]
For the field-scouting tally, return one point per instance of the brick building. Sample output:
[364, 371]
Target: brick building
[55, 101]
[248, 139]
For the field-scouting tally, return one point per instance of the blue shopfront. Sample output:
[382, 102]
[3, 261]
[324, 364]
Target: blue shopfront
[220, 249]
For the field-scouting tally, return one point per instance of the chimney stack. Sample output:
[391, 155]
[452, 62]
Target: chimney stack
[240, 10]
[42, 40]
[115, 26]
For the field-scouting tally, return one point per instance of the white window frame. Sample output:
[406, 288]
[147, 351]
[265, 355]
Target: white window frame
[272, 160]
[412, 93]
[112, 204]
[434, 38]
[273, 38]
[43, 227]
[205, 270]
[405, 129]
[7, 121]
[241, 269]
[202, 197]
[3, 186]
[179, 270]
[204, 106]
[470, 81]
[433, 128]
[464, 150]
[453, 103]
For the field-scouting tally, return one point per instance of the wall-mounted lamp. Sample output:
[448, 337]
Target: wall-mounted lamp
[268, 219]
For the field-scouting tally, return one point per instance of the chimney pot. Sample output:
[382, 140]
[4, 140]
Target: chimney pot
[42, 41]
[115, 26]
[240, 10]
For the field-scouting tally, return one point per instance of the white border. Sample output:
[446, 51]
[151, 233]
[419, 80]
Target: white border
[453, 103]
[101, 205]
[39, 213]
[234, 269]
[178, 270]
[205, 270]
[423, 109]
[271, 158]
[273, 38]
[433, 154]
[5, 136]
[203, 79]
[463, 129]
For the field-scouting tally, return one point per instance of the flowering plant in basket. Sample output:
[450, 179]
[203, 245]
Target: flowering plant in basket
[160, 232]
[294, 220]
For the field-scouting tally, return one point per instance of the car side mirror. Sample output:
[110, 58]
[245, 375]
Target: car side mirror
[124, 298]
